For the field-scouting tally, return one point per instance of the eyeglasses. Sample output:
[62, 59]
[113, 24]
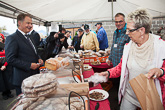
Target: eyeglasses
[118, 21]
[132, 30]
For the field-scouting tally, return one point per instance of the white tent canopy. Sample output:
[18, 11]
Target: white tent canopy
[79, 10]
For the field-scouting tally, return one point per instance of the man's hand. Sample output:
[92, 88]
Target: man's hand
[3, 68]
[41, 62]
[109, 62]
[34, 66]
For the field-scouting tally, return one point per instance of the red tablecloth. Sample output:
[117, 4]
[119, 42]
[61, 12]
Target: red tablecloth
[100, 68]
[103, 105]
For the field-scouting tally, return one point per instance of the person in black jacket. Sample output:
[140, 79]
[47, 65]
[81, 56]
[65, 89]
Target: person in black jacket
[55, 42]
[77, 40]
[51, 44]
[36, 37]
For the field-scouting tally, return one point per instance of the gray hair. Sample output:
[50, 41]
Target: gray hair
[141, 18]
[120, 14]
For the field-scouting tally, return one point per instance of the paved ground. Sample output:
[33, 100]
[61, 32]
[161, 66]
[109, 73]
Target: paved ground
[5, 103]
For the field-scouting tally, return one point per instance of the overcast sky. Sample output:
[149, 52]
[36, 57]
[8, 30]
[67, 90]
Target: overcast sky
[11, 26]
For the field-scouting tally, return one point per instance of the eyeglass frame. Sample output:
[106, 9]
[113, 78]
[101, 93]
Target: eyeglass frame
[119, 21]
[132, 30]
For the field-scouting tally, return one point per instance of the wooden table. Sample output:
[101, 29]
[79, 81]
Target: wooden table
[103, 105]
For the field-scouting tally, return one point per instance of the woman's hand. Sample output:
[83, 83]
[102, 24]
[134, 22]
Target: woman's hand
[154, 73]
[3, 68]
[104, 74]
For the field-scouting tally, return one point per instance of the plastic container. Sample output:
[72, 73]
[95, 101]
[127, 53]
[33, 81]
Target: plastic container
[103, 59]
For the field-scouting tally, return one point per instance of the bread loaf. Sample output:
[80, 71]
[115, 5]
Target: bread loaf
[39, 85]
[55, 63]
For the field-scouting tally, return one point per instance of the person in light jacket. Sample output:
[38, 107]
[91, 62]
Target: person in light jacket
[145, 53]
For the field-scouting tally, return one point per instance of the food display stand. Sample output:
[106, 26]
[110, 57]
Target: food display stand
[79, 86]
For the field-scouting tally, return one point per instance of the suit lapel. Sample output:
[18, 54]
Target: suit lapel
[21, 36]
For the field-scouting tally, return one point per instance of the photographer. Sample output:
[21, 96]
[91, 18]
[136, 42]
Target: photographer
[55, 43]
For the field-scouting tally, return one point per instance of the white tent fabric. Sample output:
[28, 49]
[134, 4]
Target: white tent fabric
[84, 10]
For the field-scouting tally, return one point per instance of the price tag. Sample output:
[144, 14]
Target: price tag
[115, 45]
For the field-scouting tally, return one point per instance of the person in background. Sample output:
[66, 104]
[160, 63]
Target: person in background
[21, 52]
[63, 30]
[43, 42]
[145, 54]
[102, 37]
[55, 42]
[42, 47]
[63, 39]
[161, 32]
[35, 37]
[77, 40]
[51, 42]
[96, 31]
[60, 43]
[82, 27]
[119, 40]
[6, 72]
[71, 35]
[89, 40]
[67, 35]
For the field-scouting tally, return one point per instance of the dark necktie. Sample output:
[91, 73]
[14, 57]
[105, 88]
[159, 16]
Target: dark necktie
[30, 42]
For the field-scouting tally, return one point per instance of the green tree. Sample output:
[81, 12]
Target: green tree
[2, 28]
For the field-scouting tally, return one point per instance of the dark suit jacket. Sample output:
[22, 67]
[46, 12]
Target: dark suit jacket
[20, 55]
[36, 37]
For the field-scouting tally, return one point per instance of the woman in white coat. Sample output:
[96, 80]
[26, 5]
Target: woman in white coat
[145, 53]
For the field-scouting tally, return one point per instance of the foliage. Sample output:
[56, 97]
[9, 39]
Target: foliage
[2, 28]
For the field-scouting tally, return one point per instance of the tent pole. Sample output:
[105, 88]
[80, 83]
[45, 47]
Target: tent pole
[47, 30]
[112, 9]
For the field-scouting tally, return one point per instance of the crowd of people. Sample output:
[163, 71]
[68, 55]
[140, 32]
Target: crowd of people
[26, 52]
[134, 50]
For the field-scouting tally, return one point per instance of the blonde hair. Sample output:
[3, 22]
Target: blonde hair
[141, 18]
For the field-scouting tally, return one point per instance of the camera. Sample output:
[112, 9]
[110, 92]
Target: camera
[61, 35]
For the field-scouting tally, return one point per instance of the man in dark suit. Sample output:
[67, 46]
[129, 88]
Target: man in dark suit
[21, 52]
